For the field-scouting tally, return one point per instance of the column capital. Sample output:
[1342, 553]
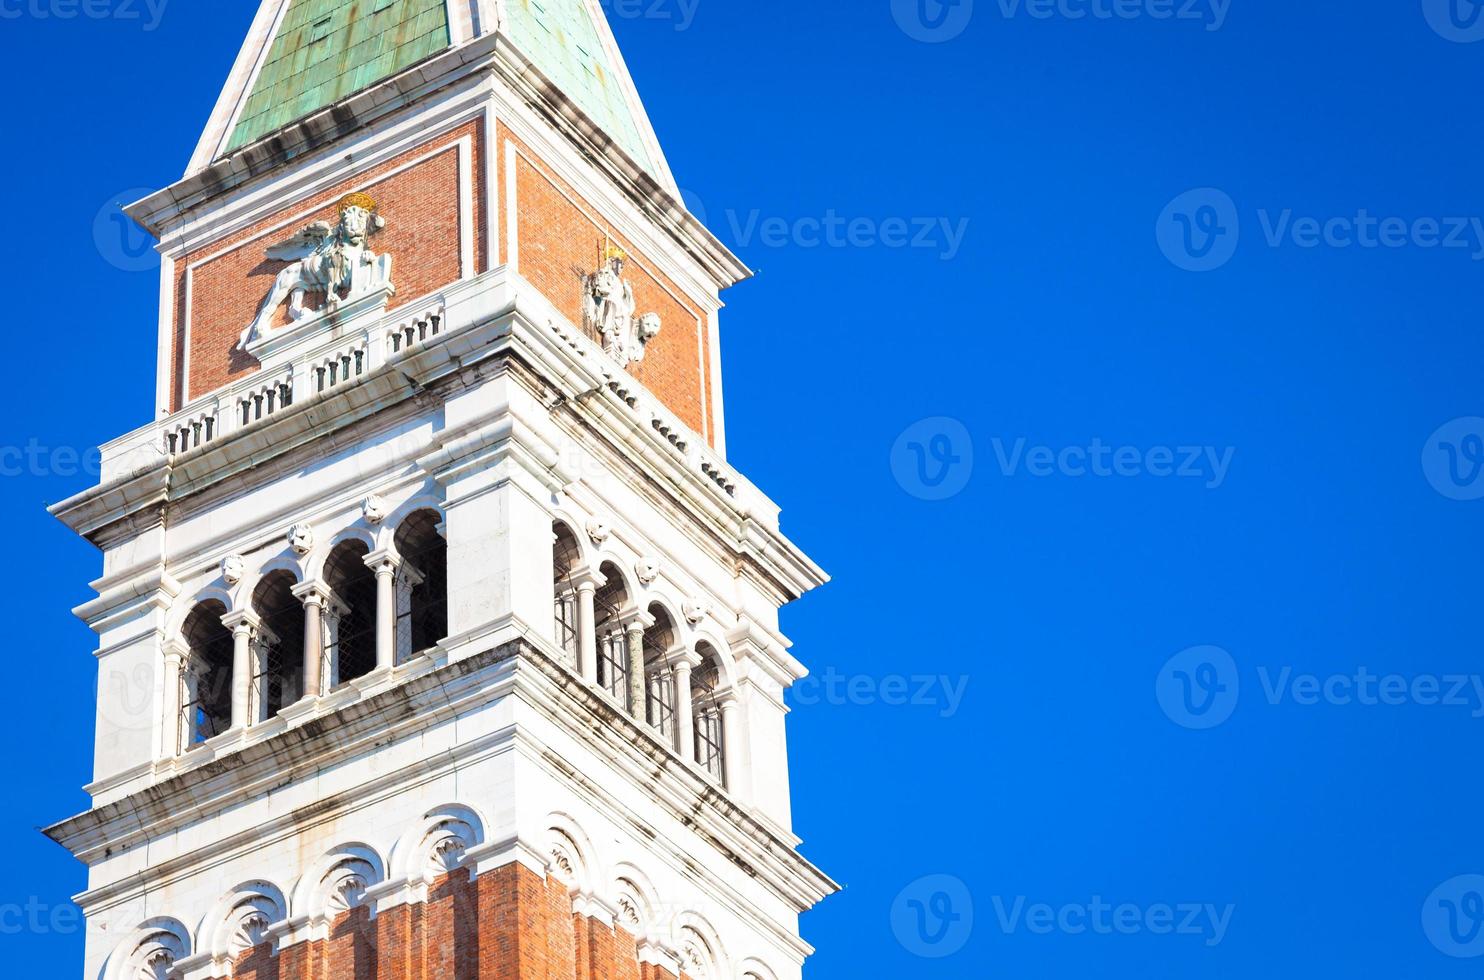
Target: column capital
[314, 592]
[636, 621]
[684, 658]
[383, 561]
[242, 621]
[587, 578]
[175, 648]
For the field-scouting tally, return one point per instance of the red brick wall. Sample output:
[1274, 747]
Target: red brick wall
[509, 925]
[219, 287]
[421, 205]
[561, 235]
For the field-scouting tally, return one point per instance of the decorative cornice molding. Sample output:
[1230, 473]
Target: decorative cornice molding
[516, 668]
[495, 321]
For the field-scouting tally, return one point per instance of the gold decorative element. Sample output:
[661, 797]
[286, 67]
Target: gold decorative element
[358, 200]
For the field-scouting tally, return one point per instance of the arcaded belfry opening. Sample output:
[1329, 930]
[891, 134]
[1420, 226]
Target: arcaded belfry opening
[609, 606]
[206, 680]
[566, 555]
[422, 584]
[350, 619]
[278, 648]
[659, 676]
[705, 682]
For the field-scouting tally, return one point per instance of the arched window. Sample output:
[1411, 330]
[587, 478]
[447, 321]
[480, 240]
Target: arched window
[206, 677]
[422, 585]
[278, 652]
[565, 557]
[659, 678]
[710, 740]
[350, 620]
[609, 605]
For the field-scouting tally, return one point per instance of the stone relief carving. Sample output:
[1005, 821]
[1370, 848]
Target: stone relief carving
[374, 509]
[562, 862]
[648, 569]
[155, 957]
[301, 538]
[336, 260]
[695, 961]
[233, 569]
[445, 845]
[598, 531]
[157, 965]
[695, 610]
[347, 893]
[609, 307]
[252, 930]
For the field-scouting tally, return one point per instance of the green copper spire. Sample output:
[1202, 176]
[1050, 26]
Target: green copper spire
[327, 49]
[560, 38]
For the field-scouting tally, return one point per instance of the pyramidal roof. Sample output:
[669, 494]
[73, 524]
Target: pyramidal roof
[302, 56]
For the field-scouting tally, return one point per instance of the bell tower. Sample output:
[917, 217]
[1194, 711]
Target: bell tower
[437, 637]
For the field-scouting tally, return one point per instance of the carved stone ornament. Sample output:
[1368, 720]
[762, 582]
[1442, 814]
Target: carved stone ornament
[157, 965]
[562, 863]
[336, 260]
[301, 539]
[695, 961]
[347, 892]
[608, 309]
[374, 509]
[155, 957]
[252, 930]
[598, 531]
[695, 610]
[233, 569]
[648, 569]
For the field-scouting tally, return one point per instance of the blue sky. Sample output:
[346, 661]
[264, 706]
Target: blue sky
[1152, 645]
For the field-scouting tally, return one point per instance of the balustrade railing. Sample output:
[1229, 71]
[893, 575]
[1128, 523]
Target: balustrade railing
[265, 399]
[322, 365]
[339, 368]
[416, 331]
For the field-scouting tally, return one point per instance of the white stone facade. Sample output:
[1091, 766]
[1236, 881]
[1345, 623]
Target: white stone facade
[482, 405]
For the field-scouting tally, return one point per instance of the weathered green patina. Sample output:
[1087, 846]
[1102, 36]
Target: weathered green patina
[559, 36]
[325, 50]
